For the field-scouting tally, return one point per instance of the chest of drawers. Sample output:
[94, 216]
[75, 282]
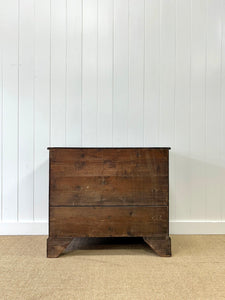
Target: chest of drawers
[108, 192]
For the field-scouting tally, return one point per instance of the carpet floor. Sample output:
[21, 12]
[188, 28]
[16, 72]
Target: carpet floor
[113, 269]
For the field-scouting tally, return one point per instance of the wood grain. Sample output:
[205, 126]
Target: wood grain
[106, 190]
[108, 162]
[55, 246]
[109, 192]
[160, 245]
[108, 221]
[69, 154]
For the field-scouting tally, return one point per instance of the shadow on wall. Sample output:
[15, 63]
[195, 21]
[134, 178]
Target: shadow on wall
[197, 188]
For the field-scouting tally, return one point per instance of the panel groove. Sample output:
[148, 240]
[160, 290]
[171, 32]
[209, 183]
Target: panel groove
[143, 100]
[160, 56]
[205, 111]
[128, 46]
[66, 69]
[97, 77]
[222, 95]
[81, 81]
[1, 132]
[50, 74]
[34, 105]
[221, 106]
[113, 61]
[18, 114]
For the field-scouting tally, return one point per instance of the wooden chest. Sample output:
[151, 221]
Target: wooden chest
[108, 192]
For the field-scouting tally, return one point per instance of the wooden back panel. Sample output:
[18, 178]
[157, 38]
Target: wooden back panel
[108, 221]
[108, 176]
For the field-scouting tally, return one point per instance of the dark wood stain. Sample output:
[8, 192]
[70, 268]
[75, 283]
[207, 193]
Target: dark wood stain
[100, 192]
[94, 222]
[109, 190]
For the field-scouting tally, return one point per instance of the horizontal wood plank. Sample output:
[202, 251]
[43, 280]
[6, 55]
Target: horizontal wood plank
[61, 155]
[107, 221]
[108, 162]
[114, 190]
[109, 168]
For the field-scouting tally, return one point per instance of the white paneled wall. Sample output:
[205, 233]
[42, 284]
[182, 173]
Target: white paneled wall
[113, 73]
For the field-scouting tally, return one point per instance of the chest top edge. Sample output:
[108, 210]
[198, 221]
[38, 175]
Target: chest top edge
[159, 148]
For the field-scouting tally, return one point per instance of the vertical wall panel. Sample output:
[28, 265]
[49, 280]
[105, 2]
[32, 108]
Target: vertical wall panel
[136, 72]
[121, 73]
[26, 109]
[197, 103]
[10, 111]
[213, 108]
[90, 73]
[222, 129]
[105, 72]
[182, 110]
[73, 73]
[152, 73]
[42, 108]
[167, 72]
[58, 72]
[167, 88]
[1, 106]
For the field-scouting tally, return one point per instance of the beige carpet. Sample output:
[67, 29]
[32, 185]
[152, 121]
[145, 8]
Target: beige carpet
[113, 269]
